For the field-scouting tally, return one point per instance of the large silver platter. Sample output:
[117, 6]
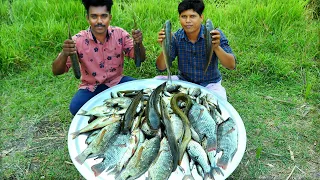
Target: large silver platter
[77, 145]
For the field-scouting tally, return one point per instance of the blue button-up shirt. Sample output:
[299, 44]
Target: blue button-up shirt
[192, 58]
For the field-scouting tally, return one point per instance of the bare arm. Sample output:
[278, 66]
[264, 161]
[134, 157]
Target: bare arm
[226, 59]
[161, 65]
[59, 64]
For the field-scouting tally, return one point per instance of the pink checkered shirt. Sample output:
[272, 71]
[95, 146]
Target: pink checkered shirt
[102, 62]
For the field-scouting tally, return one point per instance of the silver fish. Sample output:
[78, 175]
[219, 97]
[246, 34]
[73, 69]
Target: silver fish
[100, 142]
[161, 167]
[206, 127]
[92, 136]
[227, 142]
[170, 135]
[98, 123]
[112, 155]
[123, 102]
[131, 148]
[101, 110]
[198, 154]
[141, 160]
[177, 126]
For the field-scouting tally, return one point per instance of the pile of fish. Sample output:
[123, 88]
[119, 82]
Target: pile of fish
[155, 131]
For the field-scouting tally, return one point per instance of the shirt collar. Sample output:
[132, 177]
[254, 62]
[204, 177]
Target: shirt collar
[200, 35]
[92, 37]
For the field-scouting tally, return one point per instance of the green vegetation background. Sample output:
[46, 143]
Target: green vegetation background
[275, 88]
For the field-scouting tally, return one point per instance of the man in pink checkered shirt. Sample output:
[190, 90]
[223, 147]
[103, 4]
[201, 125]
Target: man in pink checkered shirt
[101, 50]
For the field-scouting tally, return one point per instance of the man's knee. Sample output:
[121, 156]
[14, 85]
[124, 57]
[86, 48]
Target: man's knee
[74, 108]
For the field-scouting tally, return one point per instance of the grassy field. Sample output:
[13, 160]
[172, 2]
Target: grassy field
[275, 88]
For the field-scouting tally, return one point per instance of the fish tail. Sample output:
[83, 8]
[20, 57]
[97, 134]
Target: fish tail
[75, 134]
[215, 170]
[82, 112]
[98, 168]
[83, 156]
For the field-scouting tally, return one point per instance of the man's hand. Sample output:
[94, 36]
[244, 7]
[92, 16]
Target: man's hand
[69, 47]
[137, 36]
[161, 36]
[215, 35]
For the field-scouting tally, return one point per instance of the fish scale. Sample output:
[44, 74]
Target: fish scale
[227, 141]
[113, 153]
[141, 160]
[161, 167]
[206, 127]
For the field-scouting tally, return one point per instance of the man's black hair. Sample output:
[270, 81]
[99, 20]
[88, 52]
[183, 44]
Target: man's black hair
[196, 5]
[88, 3]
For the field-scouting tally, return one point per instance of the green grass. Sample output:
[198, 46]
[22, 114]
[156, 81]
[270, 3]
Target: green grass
[275, 88]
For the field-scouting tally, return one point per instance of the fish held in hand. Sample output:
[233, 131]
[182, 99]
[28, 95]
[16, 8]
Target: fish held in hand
[166, 47]
[209, 51]
[74, 60]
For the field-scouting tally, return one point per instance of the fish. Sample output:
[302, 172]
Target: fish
[131, 112]
[208, 43]
[136, 47]
[112, 155]
[166, 47]
[100, 142]
[162, 166]
[183, 115]
[98, 123]
[131, 148]
[74, 60]
[141, 160]
[206, 128]
[123, 102]
[185, 167]
[198, 154]
[146, 129]
[177, 126]
[92, 136]
[227, 142]
[101, 110]
[173, 88]
[174, 149]
[152, 110]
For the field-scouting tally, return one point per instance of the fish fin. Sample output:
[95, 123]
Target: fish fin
[75, 134]
[230, 131]
[214, 171]
[211, 144]
[96, 156]
[101, 136]
[139, 155]
[218, 108]
[98, 168]
[83, 156]
[82, 112]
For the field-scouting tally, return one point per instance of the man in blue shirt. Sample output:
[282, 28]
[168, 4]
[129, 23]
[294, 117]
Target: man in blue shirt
[188, 43]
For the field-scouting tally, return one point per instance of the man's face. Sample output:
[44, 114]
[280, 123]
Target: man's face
[190, 21]
[99, 19]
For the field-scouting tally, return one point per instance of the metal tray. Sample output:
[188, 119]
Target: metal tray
[77, 145]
